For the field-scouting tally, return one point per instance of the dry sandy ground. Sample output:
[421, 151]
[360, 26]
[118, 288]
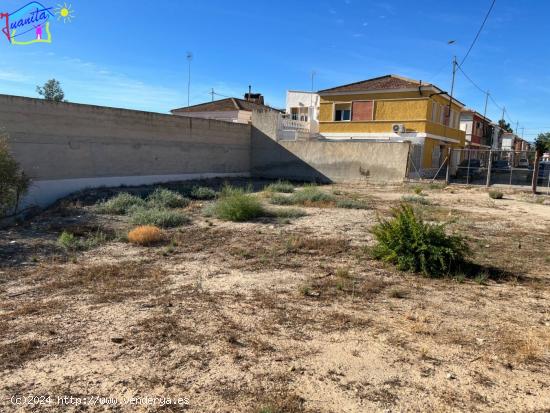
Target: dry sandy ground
[281, 317]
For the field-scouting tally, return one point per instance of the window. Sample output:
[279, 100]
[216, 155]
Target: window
[434, 112]
[363, 110]
[342, 112]
[294, 113]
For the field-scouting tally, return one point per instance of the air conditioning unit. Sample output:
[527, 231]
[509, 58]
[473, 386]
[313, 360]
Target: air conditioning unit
[398, 128]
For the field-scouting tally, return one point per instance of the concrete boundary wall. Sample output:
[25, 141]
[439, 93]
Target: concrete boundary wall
[66, 147]
[324, 161]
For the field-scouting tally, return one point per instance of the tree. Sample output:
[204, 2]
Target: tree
[51, 91]
[505, 126]
[13, 182]
[542, 143]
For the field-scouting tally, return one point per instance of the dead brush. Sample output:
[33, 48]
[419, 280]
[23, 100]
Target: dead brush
[355, 287]
[524, 347]
[145, 235]
[167, 328]
[109, 282]
[327, 246]
[17, 353]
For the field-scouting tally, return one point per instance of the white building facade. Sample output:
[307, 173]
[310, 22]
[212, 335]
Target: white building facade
[303, 107]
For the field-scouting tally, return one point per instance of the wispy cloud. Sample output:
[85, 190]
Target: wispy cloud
[12, 76]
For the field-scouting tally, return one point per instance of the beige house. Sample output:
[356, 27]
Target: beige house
[229, 109]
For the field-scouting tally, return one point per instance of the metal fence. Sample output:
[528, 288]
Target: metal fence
[479, 167]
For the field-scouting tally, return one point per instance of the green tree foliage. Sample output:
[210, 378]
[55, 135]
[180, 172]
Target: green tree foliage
[505, 126]
[51, 91]
[13, 182]
[542, 143]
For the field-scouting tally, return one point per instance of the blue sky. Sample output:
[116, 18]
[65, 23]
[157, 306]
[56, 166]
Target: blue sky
[132, 54]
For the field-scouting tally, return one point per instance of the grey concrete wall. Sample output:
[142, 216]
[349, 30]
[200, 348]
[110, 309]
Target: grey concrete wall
[65, 147]
[325, 161]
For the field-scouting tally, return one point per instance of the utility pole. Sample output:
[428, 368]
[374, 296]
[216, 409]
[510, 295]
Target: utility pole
[485, 116]
[517, 125]
[486, 101]
[212, 93]
[189, 59]
[311, 96]
[450, 97]
[313, 73]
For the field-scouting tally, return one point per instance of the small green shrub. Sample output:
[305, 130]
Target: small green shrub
[120, 204]
[351, 204]
[280, 186]
[164, 198]
[278, 199]
[287, 213]
[416, 199]
[71, 242]
[159, 217]
[68, 241]
[94, 240]
[437, 185]
[417, 190]
[312, 194]
[412, 245]
[481, 279]
[496, 194]
[308, 196]
[203, 193]
[237, 205]
[14, 183]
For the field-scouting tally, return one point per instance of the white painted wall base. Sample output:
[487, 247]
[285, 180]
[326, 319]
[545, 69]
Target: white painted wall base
[414, 137]
[46, 192]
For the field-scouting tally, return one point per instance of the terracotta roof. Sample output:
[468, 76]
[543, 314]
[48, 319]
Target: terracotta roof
[222, 105]
[377, 83]
[476, 113]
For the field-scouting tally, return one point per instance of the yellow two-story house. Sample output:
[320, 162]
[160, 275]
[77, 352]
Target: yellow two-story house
[394, 108]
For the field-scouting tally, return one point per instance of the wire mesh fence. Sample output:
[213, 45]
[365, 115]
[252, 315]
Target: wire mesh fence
[479, 167]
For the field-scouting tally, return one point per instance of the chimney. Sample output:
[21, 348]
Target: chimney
[254, 97]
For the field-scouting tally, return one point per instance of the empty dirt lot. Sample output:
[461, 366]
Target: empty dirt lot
[279, 315]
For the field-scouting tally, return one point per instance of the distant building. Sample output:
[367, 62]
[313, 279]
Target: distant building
[303, 107]
[478, 129]
[496, 137]
[229, 109]
[508, 141]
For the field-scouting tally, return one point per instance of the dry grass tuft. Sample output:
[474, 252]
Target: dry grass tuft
[525, 347]
[145, 235]
[17, 353]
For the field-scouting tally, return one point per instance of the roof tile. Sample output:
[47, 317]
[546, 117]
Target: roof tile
[387, 82]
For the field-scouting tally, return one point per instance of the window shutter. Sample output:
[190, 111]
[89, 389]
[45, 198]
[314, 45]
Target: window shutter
[362, 110]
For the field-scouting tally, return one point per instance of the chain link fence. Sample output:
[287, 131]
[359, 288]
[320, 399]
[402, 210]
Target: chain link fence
[479, 167]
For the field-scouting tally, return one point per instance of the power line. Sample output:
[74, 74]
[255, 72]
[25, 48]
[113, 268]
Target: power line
[478, 33]
[504, 110]
[471, 81]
